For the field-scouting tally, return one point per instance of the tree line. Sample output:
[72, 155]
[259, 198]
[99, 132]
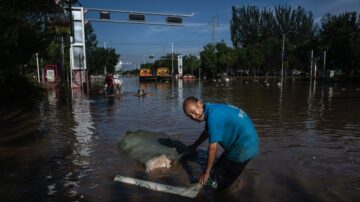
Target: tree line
[26, 28]
[99, 59]
[256, 34]
[257, 37]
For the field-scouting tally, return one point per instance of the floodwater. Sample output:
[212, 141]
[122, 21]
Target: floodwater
[65, 147]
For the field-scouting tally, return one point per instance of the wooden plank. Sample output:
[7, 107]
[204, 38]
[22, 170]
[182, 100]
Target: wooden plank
[190, 192]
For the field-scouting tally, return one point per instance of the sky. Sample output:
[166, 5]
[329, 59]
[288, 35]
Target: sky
[135, 43]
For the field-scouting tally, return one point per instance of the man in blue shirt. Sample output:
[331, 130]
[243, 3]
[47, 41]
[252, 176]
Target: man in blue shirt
[232, 129]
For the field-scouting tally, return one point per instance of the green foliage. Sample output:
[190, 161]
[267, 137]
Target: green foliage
[340, 35]
[191, 64]
[98, 58]
[225, 57]
[165, 61]
[147, 65]
[245, 25]
[25, 30]
[130, 72]
[28, 27]
[208, 59]
[260, 32]
[102, 58]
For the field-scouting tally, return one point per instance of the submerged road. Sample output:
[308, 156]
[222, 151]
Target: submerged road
[66, 149]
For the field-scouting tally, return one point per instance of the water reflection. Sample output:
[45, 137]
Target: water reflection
[309, 134]
[83, 129]
[180, 91]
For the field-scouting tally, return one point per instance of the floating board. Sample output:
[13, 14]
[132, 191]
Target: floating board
[190, 192]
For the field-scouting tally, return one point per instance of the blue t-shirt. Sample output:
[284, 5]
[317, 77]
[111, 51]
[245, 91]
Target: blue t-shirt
[233, 129]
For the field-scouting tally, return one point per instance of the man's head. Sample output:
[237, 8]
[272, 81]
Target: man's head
[194, 109]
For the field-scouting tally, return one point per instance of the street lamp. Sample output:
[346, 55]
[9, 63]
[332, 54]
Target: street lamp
[172, 60]
[283, 52]
[282, 56]
[105, 47]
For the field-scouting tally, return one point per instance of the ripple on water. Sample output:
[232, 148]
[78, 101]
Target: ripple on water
[308, 136]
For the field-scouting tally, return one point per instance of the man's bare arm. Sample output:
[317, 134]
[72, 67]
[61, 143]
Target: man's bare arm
[212, 150]
[204, 135]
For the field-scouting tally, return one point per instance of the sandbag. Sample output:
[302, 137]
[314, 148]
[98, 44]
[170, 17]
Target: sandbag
[151, 149]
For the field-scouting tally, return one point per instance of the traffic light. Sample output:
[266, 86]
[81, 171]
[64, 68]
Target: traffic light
[174, 19]
[104, 15]
[136, 17]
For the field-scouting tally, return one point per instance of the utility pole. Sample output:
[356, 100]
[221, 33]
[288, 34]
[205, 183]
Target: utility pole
[38, 68]
[62, 66]
[198, 57]
[315, 68]
[105, 72]
[81, 74]
[213, 25]
[324, 69]
[311, 63]
[172, 59]
[282, 56]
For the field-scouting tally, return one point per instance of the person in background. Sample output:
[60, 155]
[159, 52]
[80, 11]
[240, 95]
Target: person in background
[109, 84]
[232, 129]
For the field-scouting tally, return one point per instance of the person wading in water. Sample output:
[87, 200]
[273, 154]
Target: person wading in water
[232, 129]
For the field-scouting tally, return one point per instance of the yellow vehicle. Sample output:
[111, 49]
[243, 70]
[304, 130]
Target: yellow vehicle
[163, 73]
[146, 74]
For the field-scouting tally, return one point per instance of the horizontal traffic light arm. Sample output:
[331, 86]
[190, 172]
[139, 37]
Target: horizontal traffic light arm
[140, 12]
[135, 22]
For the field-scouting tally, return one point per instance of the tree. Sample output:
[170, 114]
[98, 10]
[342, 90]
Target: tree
[225, 57]
[90, 39]
[340, 36]
[25, 30]
[255, 57]
[240, 59]
[271, 49]
[91, 49]
[191, 64]
[103, 58]
[261, 31]
[244, 25]
[98, 58]
[208, 59]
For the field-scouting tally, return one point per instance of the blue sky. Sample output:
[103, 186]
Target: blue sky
[136, 43]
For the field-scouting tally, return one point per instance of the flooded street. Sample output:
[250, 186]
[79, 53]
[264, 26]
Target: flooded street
[65, 149]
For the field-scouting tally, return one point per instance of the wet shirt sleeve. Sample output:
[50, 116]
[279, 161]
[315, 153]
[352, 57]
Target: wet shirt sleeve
[215, 128]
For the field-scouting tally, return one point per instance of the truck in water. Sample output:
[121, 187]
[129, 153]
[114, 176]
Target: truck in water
[163, 74]
[146, 74]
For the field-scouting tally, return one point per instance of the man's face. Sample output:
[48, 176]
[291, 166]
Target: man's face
[195, 111]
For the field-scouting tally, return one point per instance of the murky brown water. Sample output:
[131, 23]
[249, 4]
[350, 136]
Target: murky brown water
[65, 149]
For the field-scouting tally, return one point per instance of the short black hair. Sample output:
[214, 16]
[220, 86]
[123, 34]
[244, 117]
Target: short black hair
[189, 100]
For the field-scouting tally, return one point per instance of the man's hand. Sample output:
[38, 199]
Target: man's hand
[213, 147]
[204, 178]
